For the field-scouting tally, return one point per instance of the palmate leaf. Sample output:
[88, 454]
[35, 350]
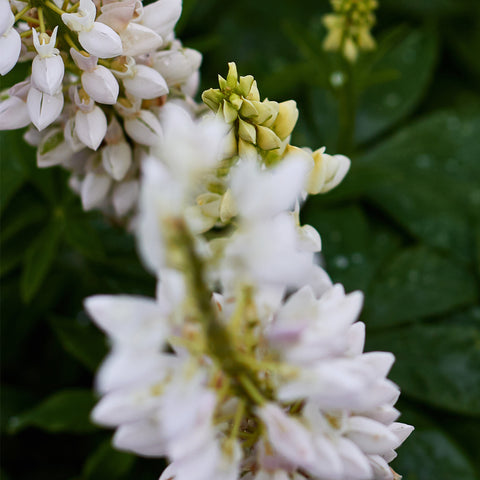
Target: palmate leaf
[437, 363]
[410, 63]
[64, 411]
[415, 284]
[39, 258]
[81, 339]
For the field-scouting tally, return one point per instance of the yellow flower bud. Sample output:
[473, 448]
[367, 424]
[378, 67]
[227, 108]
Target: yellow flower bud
[247, 131]
[267, 139]
[286, 119]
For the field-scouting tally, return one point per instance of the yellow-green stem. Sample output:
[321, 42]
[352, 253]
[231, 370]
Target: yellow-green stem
[22, 12]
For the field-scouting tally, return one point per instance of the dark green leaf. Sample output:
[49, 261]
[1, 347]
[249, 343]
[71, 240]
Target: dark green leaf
[39, 258]
[13, 401]
[430, 454]
[411, 63]
[108, 464]
[81, 339]
[437, 364]
[418, 283]
[64, 411]
[80, 234]
[430, 8]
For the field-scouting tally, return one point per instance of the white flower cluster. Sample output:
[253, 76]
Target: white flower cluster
[249, 364]
[100, 72]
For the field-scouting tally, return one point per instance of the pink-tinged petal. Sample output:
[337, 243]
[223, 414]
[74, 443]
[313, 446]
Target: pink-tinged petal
[13, 114]
[371, 436]
[144, 128]
[86, 64]
[380, 468]
[47, 73]
[43, 108]
[10, 46]
[91, 127]
[101, 85]
[101, 41]
[139, 40]
[94, 190]
[355, 464]
[143, 438]
[117, 15]
[147, 83]
[125, 197]
[162, 15]
[288, 436]
[401, 430]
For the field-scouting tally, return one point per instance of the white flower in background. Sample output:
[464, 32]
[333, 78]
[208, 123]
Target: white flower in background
[161, 16]
[328, 171]
[13, 109]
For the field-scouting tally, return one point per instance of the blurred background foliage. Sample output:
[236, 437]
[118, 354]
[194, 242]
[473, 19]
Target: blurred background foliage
[404, 227]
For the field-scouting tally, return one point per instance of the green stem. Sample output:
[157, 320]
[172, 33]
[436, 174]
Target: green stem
[53, 7]
[19, 15]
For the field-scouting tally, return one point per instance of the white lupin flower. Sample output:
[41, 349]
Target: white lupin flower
[161, 16]
[47, 67]
[43, 108]
[144, 128]
[13, 113]
[94, 189]
[91, 126]
[328, 171]
[139, 40]
[95, 37]
[125, 196]
[116, 159]
[10, 43]
[7, 19]
[53, 149]
[145, 83]
[177, 65]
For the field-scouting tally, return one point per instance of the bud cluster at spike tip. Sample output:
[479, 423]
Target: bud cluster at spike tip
[249, 364]
[100, 72]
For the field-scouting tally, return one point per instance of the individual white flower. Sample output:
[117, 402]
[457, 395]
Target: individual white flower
[53, 149]
[125, 196]
[94, 189]
[161, 16]
[177, 65]
[95, 37]
[117, 154]
[145, 83]
[43, 108]
[10, 41]
[139, 40]
[13, 110]
[328, 171]
[144, 128]
[97, 80]
[47, 67]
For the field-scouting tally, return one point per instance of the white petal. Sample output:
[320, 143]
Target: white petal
[130, 319]
[355, 464]
[288, 436]
[10, 46]
[101, 41]
[116, 159]
[144, 128]
[147, 83]
[371, 436]
[13, 114]
[7, 19]
[401, 430]
[125, 197]
[91, 127]
[380, 467]
[101, 85]
[94, 189]
[139, 40]
[162, 15]
[83, 19]
[47, 73]
[176, 66]
[44, 109]
[143, 438]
